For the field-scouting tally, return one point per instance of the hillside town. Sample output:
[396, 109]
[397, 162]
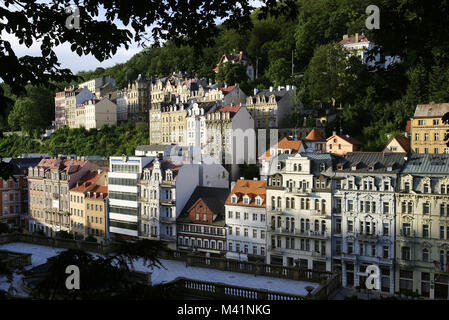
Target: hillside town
[317, 202]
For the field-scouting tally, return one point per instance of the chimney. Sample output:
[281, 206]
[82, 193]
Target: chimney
[356, 37]
[345, 37]
[334, 133]
[242, 178]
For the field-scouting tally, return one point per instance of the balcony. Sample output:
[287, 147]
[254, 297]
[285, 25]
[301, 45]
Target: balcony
[316, 254]
[367, 237]
[167, 202]
[349, 256]
[168, 184]
[167, 220]
[301, 233]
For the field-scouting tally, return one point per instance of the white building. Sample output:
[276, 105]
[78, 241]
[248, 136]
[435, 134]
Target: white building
[364, 216]
[123, 192]
[93, 84]
[227, 129]
[246, 221]
[164, 189]
[299, 202]
[360, 46]
[122, 106]
[99, 113]
[196, 134]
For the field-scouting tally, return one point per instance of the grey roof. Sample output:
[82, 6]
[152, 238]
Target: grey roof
[433, 164]
[380, 161]
[431, 110]
[150, 147]
[279, 94]
[214, 198]
[21, 165]
[316, 159]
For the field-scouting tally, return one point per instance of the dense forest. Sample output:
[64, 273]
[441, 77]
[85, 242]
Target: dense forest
[107, 141]
[372, 103]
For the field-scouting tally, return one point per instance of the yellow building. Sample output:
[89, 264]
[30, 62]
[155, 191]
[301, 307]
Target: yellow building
[422, 227]
[81, 201]
[96, 212]
[428, 130]
[173, 124]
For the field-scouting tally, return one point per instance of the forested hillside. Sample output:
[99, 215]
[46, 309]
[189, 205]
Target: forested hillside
[373, 103]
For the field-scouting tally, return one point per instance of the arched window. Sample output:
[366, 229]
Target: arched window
[292, 203]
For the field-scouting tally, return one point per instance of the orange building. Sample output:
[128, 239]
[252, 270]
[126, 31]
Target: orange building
[341, 145]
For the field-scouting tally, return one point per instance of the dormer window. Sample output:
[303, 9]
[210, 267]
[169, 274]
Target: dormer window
[246, 200]
[426, 188]
[353, 167]
[322, 167]
[234, 199]
[340, 166]
[371, 168]
[258, 201]
[389, 168]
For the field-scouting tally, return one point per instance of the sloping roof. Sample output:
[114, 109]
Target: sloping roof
[380, 161]
[87, 181]
[315, 135]
[150, 147]
[228, 89]
[251, 188]
[285, 143]
[21, 165]
[433, 164]
[229, 108]
[431, 110]
[98, 189]
[215, 200]
[347, 138]
[403, 142]
[70, 166]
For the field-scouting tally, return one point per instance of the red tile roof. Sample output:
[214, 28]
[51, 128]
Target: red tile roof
[251, 188]
[99, 189]
[403, 142]
[71, 166]
[229, 108]
[351, 39]
[285, 143]
[228, 89]
[87, 181]
[315, 135]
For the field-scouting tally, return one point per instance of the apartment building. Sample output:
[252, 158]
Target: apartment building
[122, 106]
[99, 112]
[226, 95]
[201, 223]
[422, 231]
[138, 96]
[60, 110]
[196, 134]
[245, 210]
[97, 214]
[82, 202]
[173, 124]
[226, 129]
[164, 189]
[364, 216]
[123, 192]
[49, 183]
[299, 202]
[14, 193]
[75, 96]
[271, 108]
[283, 146]
[428, 129]
[98, 85]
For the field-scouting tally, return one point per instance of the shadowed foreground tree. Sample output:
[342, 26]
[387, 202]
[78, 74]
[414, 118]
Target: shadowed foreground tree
[101, 277]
